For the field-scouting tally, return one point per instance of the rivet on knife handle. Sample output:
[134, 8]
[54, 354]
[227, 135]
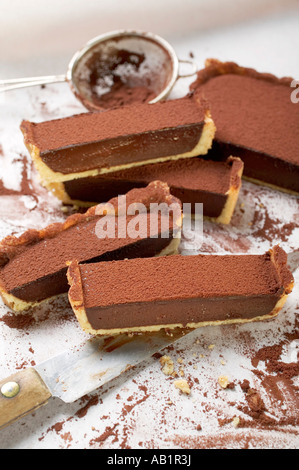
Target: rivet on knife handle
[21, 393]
[10, 389]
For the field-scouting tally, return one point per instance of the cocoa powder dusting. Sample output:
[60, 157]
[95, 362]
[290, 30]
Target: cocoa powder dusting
[277, 383]
[93, 401]
[115, 79]
[258, 408]
[25, 185]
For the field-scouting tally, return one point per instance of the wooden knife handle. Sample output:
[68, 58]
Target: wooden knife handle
[20, 394]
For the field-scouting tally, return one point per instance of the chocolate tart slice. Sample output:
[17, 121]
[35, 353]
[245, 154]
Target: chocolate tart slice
[90, 144]
[33, 267]
[178, 291]
[195, 180]
[255, 120]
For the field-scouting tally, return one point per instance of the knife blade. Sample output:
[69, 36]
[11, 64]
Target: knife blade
[79, 371]
[98, 361]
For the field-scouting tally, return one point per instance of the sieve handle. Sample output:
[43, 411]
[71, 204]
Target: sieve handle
[194, 70]
[6, 85]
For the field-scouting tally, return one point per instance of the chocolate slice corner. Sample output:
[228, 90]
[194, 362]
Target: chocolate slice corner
[178, 291]
[255, 120]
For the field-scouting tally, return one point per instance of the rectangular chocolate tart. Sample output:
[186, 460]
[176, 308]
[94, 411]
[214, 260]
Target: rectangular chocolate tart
[255, 120]
[90, 144]
[178, 291]
[33, 266]
[195, 180]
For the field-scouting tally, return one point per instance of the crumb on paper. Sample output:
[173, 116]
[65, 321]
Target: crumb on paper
[223, 381]
[222, 362]
[180, 360]
[211, 346]
[236, 421]
[167, 365]
[183, 386]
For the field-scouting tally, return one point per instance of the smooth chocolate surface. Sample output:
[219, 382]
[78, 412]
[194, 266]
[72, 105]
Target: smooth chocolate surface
[35, 269]
[255, 120]
[122, 135]
[179, 289]
[193, 181]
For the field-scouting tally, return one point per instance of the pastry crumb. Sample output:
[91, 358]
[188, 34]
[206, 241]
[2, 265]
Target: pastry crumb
[167, 364]
[168, 332]
[236, 421]
[223, 381]
[183, 386]
[211, 346]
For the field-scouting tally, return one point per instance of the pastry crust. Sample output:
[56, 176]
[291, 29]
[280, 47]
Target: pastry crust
[214, 67]
[271, 186]
[232, 193]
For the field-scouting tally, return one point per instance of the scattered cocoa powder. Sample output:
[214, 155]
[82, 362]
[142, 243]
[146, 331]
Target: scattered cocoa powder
[20, 322]
[26, 184]
[245, 385]
[109, 431]
[57, 427]
[93, 401]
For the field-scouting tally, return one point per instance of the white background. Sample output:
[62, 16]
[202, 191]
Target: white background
[39, 37]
